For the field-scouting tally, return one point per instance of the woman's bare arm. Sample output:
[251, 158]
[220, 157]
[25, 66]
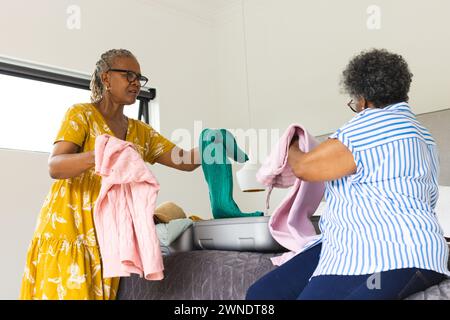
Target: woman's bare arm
[192, 158]
[328, 161]
[66, 162]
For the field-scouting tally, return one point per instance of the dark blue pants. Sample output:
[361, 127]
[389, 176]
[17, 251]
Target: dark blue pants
[290, 281]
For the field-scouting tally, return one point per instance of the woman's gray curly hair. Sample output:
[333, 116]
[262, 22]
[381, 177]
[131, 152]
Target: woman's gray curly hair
[102, 65]
[379, 76]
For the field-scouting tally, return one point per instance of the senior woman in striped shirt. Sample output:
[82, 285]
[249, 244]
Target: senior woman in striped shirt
[380, 238]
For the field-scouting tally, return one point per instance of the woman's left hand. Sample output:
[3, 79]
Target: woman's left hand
[294, 141]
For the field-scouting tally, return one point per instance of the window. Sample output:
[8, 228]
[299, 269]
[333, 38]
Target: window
[33, 106]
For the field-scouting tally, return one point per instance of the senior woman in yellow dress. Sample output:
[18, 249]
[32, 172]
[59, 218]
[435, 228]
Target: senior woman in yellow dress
[63, 260]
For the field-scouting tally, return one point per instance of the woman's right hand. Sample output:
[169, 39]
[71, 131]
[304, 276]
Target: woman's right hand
[92, 157]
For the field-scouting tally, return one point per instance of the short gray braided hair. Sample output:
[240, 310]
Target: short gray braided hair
[102, 65]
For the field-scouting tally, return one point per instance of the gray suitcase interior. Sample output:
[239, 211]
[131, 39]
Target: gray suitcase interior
[237, 234]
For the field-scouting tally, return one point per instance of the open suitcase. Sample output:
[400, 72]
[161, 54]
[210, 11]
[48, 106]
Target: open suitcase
[236, 234]
[232, 234]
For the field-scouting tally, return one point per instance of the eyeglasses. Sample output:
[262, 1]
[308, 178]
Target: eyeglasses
[132, 76]
[350, 104]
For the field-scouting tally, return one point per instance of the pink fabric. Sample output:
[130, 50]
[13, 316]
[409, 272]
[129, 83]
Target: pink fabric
[123, 212]
[289, 224]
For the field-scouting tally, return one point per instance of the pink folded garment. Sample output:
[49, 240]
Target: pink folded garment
[290, 223]
[123, 212]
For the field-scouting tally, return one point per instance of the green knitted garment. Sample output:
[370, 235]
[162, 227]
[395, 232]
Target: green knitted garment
[216, 146]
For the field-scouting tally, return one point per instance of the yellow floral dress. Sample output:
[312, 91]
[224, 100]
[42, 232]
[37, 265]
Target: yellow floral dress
[63, 260]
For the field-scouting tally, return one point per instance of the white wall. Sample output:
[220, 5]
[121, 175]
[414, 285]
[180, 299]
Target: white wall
[25, 183]
[297, 50]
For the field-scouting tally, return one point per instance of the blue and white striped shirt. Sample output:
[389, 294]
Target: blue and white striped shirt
[382, 217]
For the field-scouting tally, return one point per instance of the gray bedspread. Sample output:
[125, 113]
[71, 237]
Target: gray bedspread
[439, 292]
[200, 275]
[219, 275]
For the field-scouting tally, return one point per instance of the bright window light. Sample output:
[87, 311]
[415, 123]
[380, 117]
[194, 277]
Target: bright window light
[32, 111]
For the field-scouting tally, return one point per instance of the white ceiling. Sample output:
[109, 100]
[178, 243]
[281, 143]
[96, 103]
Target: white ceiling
[205, 9]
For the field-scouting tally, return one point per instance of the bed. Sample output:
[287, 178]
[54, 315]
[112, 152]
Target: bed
[220, 275]
[195, 274]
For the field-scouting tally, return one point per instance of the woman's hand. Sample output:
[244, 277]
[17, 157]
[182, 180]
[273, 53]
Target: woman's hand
[294, 141]
[91, 157]
[295, 155]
